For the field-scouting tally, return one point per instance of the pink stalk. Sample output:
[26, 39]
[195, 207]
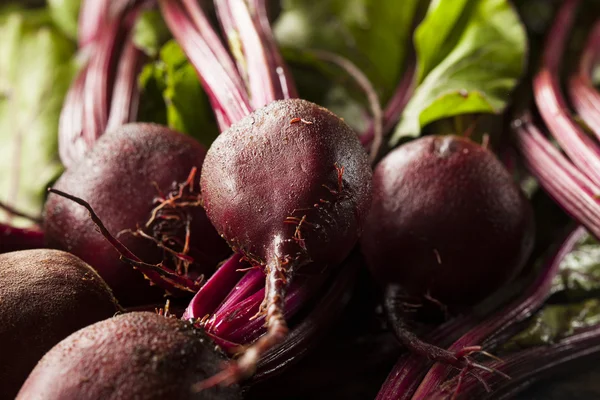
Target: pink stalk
[92, 16]
[584, 95]
[70, 125]
[14, 239]
[517, 311]
[568, 186]
[125, 97]
[259, 65]
[582, 150]
[263, 27]
[225, 90]
[92, 105]
[393, 110]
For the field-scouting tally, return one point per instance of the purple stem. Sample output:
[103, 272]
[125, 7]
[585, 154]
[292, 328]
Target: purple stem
[407, 374]
[264, 81]
[96, 91]
[519, 310]
[14, 239]
[233, 39]
[410, 369]
[237, 324]
[582, 150]
[92, 16]
[363, 81]
[250, 283]
[263, 26]
[125, 97]
[584, 95]
[202, 46]
[303, 336]
[213, 40]
[395, 106]
[71, 145]
[572, 190]
[526, 367]
[89, 109]
[225, 345]
[213, 292]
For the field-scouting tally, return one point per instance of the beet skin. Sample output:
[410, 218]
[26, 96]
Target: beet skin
[447, 220]
[45, 295]
[122, 175]
[290, 180]
[139, 355]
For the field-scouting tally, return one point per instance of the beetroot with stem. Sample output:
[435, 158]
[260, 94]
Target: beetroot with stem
[139, 355]
[139, 179]
[447, 225]
[45, 296]
[288, 185]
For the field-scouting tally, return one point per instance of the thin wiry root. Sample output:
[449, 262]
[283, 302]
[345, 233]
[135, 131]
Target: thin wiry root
[276, 285]
[472, 368]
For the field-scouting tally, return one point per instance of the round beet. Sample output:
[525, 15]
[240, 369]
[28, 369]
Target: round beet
[288, 185]
[139, 355]
[45, 296]
[125, 177]
[447, 221]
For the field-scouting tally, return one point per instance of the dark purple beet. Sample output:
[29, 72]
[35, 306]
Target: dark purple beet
[139, 355]
[121, 178]
[288, 185]
[447, 220]
[45, 296]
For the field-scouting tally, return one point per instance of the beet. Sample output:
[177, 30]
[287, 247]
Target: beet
[124, 177]
[447, 221]
[45, 295]
[139, 355]
[287, 185]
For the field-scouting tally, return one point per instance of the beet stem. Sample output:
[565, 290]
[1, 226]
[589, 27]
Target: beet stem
[506, 318]
[14, 212]
[403, 380]
[393, 110]
[125, 98]
[205, 51]
[571, 189]
[459, 358]
[278, 278]
[365, 84]
[584, 95]
[581, 148]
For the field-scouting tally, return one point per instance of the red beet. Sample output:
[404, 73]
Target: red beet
[447, 220]
[45, 295]
[138, 355]
[288, 185]
[447, 225]
[128, 173]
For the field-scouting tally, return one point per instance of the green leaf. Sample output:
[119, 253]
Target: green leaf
[574, 304]
[172, 95]
[150, 32]
[371, 33]
[555, 322]
[470, 55]
[65, 14]
[579, 275]
[36, 68]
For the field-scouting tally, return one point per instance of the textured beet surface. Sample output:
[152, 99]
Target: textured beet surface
[288, 185]
[45, 295]
[279, 165]
[139, 355]
[119, 178]
[446, 220]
